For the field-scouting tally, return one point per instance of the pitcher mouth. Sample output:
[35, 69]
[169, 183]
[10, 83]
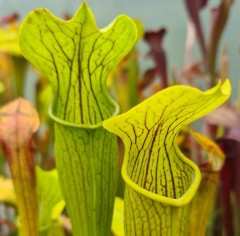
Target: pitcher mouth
[178, 202]
[89, 126]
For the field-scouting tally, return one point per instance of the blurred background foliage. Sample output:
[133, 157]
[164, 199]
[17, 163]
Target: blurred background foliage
[153, 14]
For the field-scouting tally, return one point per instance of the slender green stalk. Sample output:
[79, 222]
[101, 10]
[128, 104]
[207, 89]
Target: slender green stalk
[89, 156]
[19, 75]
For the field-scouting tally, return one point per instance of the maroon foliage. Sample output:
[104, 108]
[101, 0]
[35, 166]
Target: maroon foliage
[158, 54]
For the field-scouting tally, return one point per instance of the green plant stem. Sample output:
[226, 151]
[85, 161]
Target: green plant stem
[22, 166]
[19, 67]
[88, 174]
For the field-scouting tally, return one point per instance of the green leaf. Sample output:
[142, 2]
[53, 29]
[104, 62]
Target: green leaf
[77, 57]
[159, 177]
[51, 202]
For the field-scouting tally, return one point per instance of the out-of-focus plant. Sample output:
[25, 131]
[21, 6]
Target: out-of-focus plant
[217, 125]
[125, 77]
[50, 201]
[203, 202]
[208, 46]
[13, 77]
[18, 121]
[12, 56]
[158, 54]
[228, 117]
[8, 35]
